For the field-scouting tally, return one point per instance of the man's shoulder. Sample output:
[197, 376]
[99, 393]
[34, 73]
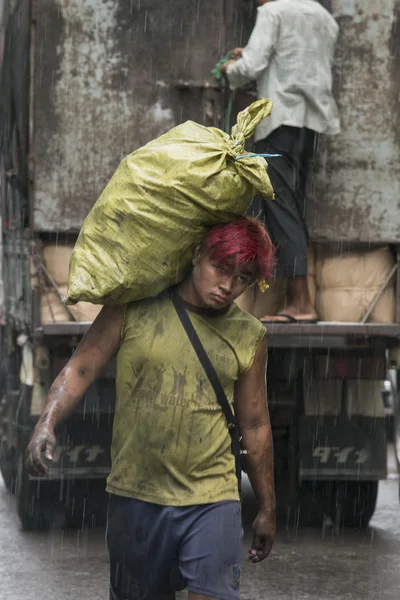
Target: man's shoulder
[277, 11]
[275, 8]
[282, 7]
[244, 317]
[151, 304]
[150, 300]
[270, 8]
[249, 333]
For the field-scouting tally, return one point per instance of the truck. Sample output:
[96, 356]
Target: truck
[85, 83]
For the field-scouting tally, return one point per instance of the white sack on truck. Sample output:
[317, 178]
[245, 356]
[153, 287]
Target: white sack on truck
[53, 310]
[347, 283]
[138, 238]
[56, 260]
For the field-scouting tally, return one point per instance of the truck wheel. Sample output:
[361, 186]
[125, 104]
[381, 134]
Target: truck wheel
[355, 503]
[314, 502]
[396, 422]
[309, 507]
[7, 466]
[7, 452]
[396, 439]
[396, 429]
[35, 500]
[7, 449]
[86, 504]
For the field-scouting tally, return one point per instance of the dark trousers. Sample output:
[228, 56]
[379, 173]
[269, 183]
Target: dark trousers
[284, 216]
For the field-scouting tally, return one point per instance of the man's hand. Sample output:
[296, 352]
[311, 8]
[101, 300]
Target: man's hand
[43, 440]
[254, 424]
[264, 530]
[96, 349]
[237, 53]
[226, 65]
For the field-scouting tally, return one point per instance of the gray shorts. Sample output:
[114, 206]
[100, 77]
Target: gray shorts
[155, 550]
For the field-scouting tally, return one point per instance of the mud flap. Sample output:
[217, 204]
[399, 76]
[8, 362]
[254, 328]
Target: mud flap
[336, 448]
[83, 449]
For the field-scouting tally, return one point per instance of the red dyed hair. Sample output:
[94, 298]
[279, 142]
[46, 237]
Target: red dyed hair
[241, 242]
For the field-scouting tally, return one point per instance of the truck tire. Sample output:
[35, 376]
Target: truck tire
[314, 503]
[355, 503]
[86, 505]
[396, 427]
[8, 401]
[7, 466]
[396, 439]
[35, 500]
[396, 420]
[7, 450]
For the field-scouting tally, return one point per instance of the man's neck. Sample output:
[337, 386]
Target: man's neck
[193, 303]
[188, 293]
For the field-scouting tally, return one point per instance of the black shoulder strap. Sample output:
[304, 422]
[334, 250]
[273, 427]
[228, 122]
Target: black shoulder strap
[212, 376]
[204, 360]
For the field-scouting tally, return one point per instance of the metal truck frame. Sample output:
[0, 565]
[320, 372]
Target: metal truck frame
[85, 83]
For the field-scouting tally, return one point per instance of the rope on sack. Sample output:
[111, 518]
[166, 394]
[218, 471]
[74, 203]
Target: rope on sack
[255, 154]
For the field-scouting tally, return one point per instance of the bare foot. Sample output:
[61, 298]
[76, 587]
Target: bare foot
[299, 309]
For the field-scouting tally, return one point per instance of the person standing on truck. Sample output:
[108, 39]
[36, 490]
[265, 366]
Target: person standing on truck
[290, 55]
[174, 514]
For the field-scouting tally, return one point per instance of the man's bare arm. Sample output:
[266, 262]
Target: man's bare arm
[253, 419]
[96, 349]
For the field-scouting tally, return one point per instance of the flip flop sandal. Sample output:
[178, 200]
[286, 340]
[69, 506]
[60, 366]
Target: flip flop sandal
[289, 320]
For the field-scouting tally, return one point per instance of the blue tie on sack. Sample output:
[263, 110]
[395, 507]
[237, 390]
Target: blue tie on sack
[255, 154]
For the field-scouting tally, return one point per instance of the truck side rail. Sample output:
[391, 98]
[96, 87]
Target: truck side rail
[321, 334]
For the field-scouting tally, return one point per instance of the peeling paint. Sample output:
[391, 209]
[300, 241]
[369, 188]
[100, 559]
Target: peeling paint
[106, 84]
[161, 114]
[356, 193]
[89, 112]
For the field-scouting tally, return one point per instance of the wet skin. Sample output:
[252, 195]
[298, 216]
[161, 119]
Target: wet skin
[209, 286]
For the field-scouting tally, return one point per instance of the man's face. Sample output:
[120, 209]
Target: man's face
[216, 285]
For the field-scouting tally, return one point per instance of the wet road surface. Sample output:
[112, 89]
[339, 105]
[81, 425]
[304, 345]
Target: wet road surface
[306, 564]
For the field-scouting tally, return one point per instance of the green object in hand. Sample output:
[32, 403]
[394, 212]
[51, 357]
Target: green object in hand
[216, 71]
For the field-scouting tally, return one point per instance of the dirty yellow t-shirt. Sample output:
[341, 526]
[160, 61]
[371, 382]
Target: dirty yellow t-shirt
[171, 444]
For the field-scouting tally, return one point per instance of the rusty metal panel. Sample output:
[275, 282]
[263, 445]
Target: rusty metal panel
[356, 193]
[109, 76]
[14, 95]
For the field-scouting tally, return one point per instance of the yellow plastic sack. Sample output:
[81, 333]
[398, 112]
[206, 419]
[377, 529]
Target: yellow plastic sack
[138, 238]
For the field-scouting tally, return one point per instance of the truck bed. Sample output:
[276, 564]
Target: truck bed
[329, 334]
[315, 335]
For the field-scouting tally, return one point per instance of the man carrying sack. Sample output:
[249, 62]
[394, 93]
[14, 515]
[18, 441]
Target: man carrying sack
[174, 515]
[290, 55]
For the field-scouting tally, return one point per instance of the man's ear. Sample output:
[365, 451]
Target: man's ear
[197, 254]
